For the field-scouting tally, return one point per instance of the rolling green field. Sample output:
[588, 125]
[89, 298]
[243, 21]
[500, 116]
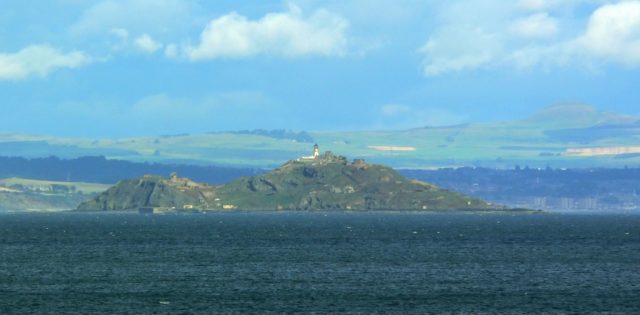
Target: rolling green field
[544, 139]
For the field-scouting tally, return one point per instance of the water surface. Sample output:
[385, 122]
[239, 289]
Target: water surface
[319, 262]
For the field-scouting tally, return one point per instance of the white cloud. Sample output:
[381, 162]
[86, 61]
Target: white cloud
[38, 60]
[120, 33]
[513, 38]
[119, 38]
[545, 5]
[171, 51]
[541, 57]
[534, 5]
[613, 33]
[137, 16]
[394, 109]
[285, 34]
[147, 44]
[445, 52]
[539, 25]
[144, 42]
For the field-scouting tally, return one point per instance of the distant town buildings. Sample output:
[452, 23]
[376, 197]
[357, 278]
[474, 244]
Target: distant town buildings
[569, 203]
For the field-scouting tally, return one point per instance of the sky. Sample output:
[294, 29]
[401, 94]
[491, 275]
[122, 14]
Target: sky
[119, 68]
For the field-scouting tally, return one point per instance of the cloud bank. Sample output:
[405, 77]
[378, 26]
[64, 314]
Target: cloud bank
[530, 34]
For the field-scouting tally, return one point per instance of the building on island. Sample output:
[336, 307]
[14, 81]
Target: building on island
[315, 155]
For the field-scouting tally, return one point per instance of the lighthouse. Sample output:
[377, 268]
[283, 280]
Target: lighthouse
[316, 151]
[313, 156]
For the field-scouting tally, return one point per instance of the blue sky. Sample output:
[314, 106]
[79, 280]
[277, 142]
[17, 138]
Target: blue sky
[116, 68]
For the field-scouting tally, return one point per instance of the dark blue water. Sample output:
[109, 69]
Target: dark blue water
[319, 262]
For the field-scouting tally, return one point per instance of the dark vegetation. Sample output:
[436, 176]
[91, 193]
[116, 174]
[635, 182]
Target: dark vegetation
[43, 148]
[281, 134]
[101, 170]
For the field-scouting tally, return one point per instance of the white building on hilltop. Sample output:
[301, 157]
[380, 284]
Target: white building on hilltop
[315, 155]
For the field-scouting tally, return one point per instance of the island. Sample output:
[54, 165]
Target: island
[316, 182]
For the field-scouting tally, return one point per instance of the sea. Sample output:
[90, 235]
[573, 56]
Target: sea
[319, 263]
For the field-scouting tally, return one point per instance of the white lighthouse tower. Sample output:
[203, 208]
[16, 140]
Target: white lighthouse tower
[313, 156]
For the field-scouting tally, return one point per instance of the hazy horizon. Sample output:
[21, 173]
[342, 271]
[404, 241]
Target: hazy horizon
[580, 107]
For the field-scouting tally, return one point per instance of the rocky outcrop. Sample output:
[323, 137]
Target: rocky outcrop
[329, 182]
[147, 191]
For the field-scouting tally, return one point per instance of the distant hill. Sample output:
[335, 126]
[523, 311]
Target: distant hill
[547, 138]
[567, 115]
[42, 148]
[280, 134]
[101, 170]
